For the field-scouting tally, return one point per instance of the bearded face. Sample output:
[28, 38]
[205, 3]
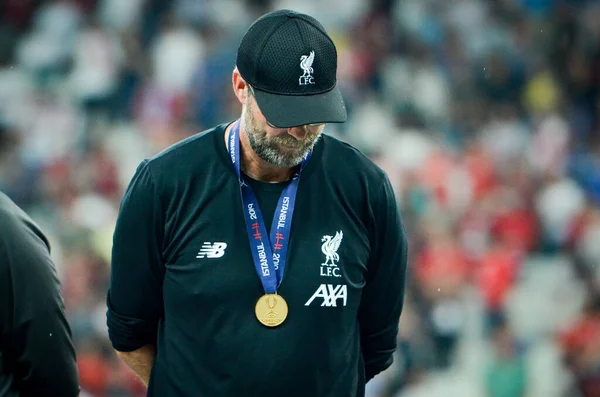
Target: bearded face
[275, 145]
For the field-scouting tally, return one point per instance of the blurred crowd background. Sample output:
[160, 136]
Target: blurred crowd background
[483, 112]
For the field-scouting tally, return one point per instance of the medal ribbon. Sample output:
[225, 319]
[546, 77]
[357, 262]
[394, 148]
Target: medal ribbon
[269, 254]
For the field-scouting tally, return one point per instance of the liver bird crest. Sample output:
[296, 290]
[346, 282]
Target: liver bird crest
[330, 247]
[306, 62]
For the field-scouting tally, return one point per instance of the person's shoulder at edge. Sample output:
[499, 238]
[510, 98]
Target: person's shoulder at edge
[344, 156]
[17, 229]
[9, 211]
[14, 219]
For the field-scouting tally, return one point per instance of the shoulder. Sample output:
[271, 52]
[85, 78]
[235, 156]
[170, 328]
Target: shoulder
[12, 217]
[199, 147]
[354, 174]
[19, 231]
[342, 157]
[196, 161]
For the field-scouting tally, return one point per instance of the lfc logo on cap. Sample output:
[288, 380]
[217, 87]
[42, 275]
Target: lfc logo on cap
[306, 62]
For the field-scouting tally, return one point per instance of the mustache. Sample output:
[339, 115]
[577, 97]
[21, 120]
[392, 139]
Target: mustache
[290, 141]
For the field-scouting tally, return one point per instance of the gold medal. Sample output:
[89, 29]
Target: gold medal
[271, 310]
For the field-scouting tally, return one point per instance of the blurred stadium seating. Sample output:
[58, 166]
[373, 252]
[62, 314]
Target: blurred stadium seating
[483, 112]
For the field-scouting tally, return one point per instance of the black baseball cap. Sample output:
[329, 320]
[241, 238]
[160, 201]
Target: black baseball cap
[291, 63]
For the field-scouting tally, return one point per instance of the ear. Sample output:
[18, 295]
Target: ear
[240, 88]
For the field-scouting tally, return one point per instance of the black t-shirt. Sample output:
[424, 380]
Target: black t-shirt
[183, 276]
[37, 357]
[267, 195]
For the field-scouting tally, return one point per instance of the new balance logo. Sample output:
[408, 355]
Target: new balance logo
[214, 250]
[330, 294]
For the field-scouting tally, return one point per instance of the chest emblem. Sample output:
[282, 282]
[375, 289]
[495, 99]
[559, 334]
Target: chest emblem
[212, 250]
[330, 246]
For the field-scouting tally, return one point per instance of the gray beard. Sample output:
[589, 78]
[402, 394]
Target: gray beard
[269, 149]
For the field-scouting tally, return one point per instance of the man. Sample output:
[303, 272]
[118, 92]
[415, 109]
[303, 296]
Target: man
[37, 357]
[205, 299]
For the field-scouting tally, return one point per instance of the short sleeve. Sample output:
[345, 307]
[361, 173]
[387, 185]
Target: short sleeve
[134, 300]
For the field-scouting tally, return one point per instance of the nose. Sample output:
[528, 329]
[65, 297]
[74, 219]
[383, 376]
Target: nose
[298, 132]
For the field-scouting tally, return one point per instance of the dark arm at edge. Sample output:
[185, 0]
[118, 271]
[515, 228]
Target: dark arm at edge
[383, 295]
